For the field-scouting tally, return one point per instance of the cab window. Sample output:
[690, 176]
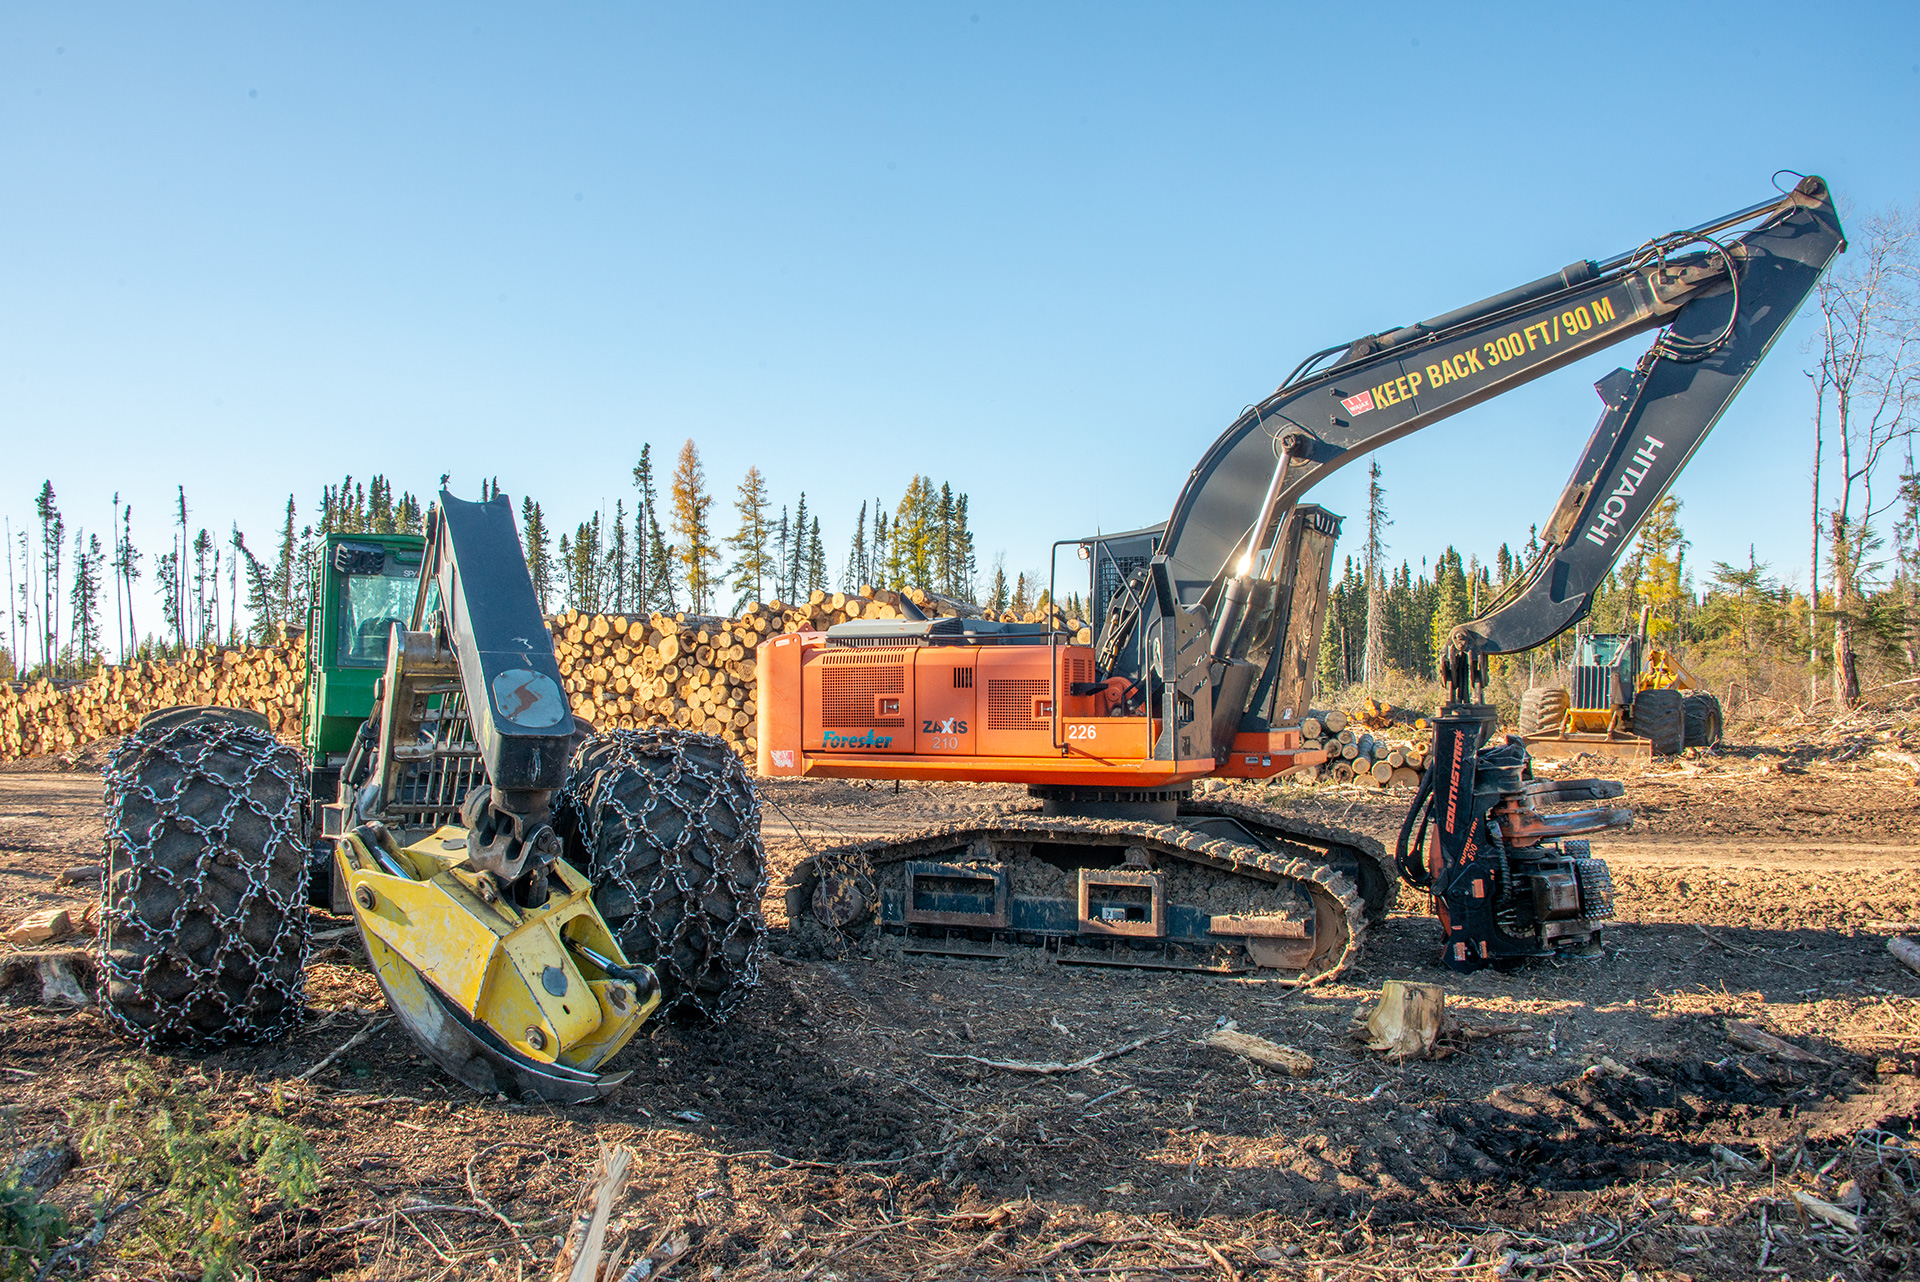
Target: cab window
[373, 604]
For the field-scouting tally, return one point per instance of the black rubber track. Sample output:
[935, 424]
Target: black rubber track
[1326, 887]
[203, 935]
[668, 825]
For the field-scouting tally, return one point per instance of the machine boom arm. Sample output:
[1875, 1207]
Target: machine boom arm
[1723, 302]
[477, 632]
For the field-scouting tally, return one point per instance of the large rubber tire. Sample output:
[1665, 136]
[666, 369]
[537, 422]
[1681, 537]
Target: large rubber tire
[1703, 720]
[1543, 711]
[1659, 716]
[203, 928]
[669, 826]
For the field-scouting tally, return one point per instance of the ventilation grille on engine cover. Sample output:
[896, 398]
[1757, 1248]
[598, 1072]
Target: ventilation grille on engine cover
[1011, 704]
[849, 696]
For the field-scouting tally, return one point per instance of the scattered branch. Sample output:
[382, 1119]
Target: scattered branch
[373, 1026]
[1048, 1067]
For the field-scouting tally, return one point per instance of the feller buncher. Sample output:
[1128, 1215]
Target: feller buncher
[528, 892]
[1209, 627]
[1629, 700]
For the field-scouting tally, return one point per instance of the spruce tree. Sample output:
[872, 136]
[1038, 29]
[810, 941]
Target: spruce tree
[659, 590]
[127, 566]
[816, 560]
[964, 569]
[533, 541]
[84, 600]
[53, 532]
[617, 557]
[644, 520]
[945, 550]
[856, 569]
[380, 505]
[796, 566]
[1375, 662]
[283, 566]
[752, 563]
[202, 575]
[1453, 602]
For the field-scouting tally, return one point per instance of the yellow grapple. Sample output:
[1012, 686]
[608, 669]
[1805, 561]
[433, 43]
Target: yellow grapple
[505, 998]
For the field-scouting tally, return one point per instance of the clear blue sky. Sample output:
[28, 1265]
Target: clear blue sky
[1044, 252]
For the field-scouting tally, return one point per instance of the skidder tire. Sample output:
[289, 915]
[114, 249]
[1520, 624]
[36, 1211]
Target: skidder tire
[669, 825]
[1543, 711]
[1659, 716]
[203, 924]
[1703, 720]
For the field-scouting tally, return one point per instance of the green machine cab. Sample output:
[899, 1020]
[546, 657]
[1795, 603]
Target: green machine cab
[368, 583]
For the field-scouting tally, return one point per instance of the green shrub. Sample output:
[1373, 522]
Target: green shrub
[197, 1175]
[29, 1228]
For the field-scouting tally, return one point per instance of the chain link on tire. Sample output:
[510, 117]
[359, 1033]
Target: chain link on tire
[669, 825]
[203, 932]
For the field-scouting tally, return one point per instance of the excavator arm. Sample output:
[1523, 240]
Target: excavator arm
[1720, 303]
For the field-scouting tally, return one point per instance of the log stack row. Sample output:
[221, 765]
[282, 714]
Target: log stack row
[694, 672]
[1356, 754]
[47, 718]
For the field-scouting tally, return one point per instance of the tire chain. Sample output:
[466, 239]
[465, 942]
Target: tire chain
[272, 1002]
[584, 806]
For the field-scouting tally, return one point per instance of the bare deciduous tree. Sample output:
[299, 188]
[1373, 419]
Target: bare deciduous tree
[1866, 387]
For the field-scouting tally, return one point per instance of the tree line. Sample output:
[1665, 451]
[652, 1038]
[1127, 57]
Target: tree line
[626, 563]
[216, 590]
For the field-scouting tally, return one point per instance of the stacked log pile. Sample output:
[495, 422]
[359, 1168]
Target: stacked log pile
[1356, 753]
[694, 672]
[46, 718]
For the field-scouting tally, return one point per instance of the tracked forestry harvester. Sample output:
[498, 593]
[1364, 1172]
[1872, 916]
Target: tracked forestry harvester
[1209, 627]
[528, 892]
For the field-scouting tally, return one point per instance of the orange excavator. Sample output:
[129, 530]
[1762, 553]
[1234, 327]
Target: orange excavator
[1202, 665]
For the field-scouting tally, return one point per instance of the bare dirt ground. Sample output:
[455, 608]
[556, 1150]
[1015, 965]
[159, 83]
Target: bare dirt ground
[836, 1128]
